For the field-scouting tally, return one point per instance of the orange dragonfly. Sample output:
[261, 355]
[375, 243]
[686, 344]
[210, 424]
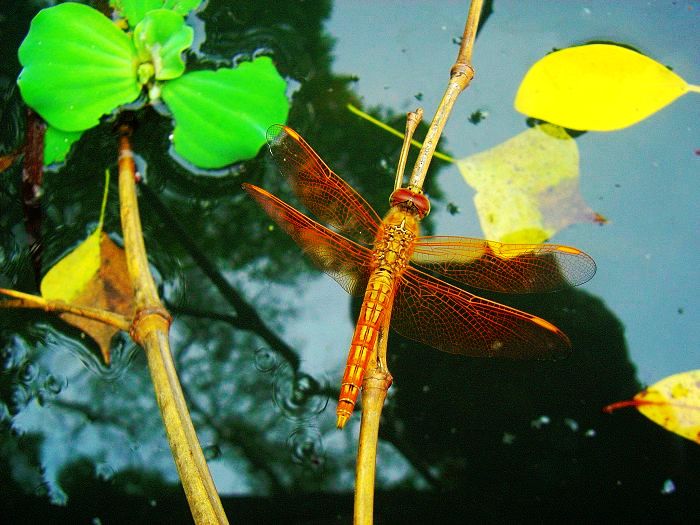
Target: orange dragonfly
[392, 265]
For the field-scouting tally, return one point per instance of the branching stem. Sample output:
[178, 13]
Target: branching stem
[461, 75]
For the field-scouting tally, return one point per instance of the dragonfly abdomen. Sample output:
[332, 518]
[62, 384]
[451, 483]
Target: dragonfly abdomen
[376, 304]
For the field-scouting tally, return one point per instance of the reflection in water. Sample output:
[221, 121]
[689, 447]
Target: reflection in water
[211, 452]
[27, 373]
[54, 385]
[296, 394]
[266, 360]
[669, 487]
[32, 384]
[123, 351]
[540, 422]
[471, 422]
[104, 471]
[306, 446]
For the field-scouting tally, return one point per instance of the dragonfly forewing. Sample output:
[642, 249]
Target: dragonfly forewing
[327, 196]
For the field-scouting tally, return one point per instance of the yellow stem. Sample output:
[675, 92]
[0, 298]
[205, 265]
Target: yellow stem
[146, 295]
[460, 76]
[413, 118]
[150, 329]
[196, 479]
[25, 300]
[357, 111]
[374, 389]
[378, 379]
[694, 88]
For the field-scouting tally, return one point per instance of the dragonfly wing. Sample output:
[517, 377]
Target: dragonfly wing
[344, 260]
[445, 317]
[325, 194]
[510, 268]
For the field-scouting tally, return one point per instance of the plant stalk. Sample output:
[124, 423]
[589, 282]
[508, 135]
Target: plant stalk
[150, 330]
[25, 300]
[374, 389]
[461, 75]
[378, 379]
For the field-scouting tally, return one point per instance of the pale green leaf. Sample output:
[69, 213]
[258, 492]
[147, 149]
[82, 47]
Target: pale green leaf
[527, 187]
[160, 38]
[135, 10]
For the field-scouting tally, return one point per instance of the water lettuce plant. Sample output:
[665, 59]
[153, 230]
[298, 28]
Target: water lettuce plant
[78, 66]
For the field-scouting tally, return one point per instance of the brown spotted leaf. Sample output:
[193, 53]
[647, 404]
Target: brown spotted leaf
[673, 403]
[108, 289]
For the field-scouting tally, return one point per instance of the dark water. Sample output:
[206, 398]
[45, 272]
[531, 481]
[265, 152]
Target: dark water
[259, 337]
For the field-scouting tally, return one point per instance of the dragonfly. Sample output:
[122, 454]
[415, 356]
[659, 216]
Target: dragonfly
[396, 269]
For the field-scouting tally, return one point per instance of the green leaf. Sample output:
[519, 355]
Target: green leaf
[160, 38]
[135, 10]
[57, 144]
[221, 116]
[78, 66]
[599, 87]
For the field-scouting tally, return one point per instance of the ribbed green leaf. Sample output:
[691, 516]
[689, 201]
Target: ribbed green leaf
[135, 10]
[221, 116]
[57, 144]
[78, 66]
[160, 38]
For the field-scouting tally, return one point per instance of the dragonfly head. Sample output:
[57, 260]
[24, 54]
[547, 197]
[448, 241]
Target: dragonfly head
[411, 198]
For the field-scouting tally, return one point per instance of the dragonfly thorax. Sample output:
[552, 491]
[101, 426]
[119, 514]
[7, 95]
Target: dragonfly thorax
[393, 245]
[411, 200]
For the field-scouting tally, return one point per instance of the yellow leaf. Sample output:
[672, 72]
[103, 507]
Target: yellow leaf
[67, 278]
[108, 289]
[527, 187]
[599, 87]
[94, 274]
[673, 403]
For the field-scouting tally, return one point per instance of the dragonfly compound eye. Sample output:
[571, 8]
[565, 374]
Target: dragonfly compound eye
[409, 198]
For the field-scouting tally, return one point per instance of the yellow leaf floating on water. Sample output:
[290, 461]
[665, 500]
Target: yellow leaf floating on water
[527, 187]
[598, 87]
[68, 277]
[108, 289]
[93, 274]
[673, 403]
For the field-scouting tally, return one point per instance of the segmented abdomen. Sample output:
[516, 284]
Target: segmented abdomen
[376, 304]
